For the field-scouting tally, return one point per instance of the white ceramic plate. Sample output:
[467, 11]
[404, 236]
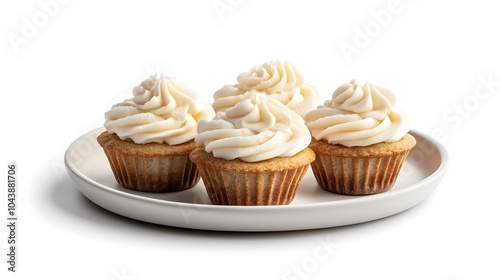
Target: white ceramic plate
[312, 207]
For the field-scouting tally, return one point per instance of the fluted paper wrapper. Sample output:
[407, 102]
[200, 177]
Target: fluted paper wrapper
[357, 176]
[242, 188]
[150, 167]
[235, 182]
[153, 174]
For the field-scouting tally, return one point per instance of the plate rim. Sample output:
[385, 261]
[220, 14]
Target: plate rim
[440, 170]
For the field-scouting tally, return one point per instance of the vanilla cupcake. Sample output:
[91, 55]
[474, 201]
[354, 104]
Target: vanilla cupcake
[279, 80]
[148, 138]
[254, 153]
[360, 139]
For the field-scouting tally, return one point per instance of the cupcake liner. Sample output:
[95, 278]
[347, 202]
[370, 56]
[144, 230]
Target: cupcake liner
[153, 174]
[359, 170]
[150, 167]
[357, 176]
[238, 183]
[240, 188]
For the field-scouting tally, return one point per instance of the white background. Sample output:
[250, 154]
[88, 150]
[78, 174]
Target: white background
[64, 64]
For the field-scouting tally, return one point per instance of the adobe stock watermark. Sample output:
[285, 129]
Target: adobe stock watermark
[453, 118]
[222, 7]
[88, 145]
[323, 251]
[364, 35]
[457, 113]
[82, 149]
[190, 212]
[121, 275]
[452, 278]
[416, 158]
[31, 25]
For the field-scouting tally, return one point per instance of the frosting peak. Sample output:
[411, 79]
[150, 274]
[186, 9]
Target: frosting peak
[280, 80]
[161, 110]
[271, 77]
[362, 98]
[359, 114]
[255, 129]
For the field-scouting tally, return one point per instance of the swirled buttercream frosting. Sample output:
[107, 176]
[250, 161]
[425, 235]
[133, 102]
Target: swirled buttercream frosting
[359, 114]
[279, 80]
[162, 110]
[255, 129]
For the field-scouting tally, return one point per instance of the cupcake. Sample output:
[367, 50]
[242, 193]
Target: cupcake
[360, 140]
[254, 153]
[148, 138]
[277, 79]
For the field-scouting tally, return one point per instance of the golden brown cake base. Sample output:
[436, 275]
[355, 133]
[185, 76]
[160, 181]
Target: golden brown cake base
[150, 167]
[359, 170]
[235, 182]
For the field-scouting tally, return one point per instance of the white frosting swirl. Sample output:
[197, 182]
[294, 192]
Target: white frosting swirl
[359, 114]
[255, 129]
[280, 80]
[161, 111]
